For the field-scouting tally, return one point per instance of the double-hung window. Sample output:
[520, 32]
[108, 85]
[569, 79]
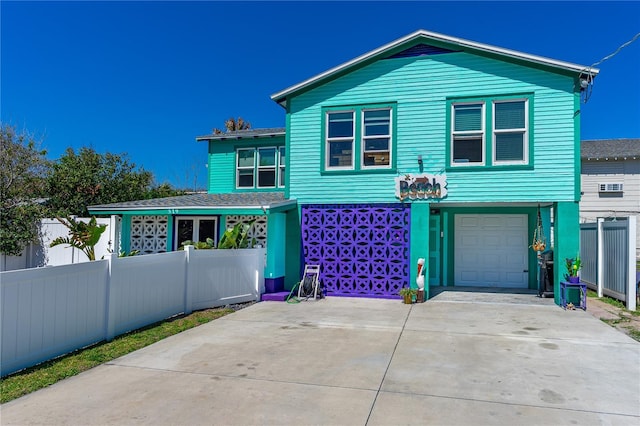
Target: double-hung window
[492, 131]
[468, 134]
[359, 138]
[262, 167]
[340, 139]
[510, 132]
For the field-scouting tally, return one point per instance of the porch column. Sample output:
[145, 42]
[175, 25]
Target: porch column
[276, 237]
[419, 244]
[566, 235]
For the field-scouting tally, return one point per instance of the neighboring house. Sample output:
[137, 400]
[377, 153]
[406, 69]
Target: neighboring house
[428, 147]
[610, 180]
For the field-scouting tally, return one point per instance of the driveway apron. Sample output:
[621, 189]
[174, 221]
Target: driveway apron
[457, 359]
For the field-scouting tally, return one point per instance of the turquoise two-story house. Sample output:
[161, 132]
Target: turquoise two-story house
[429, 147]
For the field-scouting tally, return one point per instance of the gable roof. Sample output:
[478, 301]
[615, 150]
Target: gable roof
[244, 134]
[610, 149]
[438, 40]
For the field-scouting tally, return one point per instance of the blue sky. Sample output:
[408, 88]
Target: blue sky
[146, 78]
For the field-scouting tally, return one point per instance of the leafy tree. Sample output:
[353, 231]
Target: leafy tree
[232, 125]
[23, 168]
[163, 190]
[85, 178]
[83, 236]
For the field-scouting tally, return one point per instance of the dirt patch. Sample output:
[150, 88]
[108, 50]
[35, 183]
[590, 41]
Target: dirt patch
[619, 318]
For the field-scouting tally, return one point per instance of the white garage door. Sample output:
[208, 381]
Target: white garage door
[491, 250]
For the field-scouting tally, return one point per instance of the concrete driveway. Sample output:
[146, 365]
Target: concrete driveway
[461, 358]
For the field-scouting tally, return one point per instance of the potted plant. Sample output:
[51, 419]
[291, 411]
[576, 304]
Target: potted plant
[573, 266]
[407, 294]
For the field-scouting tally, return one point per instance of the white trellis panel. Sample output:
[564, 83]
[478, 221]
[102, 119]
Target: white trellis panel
[257, 231]
[149, 234]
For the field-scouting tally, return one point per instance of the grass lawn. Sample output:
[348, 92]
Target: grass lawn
[50, 372]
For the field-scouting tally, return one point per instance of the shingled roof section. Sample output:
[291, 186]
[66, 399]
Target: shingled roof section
[244, 134]
[610, 149]
[198, 201]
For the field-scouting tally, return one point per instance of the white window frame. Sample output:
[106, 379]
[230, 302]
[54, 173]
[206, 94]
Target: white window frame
[524, 131]
[469, 133]
[281, 170]
[275, 166]
[279, 166]
[253, 168]
[196, 228]
[364, 138]
[328, 140]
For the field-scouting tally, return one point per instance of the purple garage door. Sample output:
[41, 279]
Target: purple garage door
[363, 250]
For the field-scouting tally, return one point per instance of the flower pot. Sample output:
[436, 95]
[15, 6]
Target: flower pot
[408, 299]
[574, 279]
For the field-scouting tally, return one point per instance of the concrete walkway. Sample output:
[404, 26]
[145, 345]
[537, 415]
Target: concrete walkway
[465, 359]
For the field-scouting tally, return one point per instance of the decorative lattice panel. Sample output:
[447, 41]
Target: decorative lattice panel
[149, 234]
[257, 231]
[363, 250]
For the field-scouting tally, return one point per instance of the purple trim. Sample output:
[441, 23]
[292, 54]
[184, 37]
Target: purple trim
[363, 249]
[273, 285]
[275, 297]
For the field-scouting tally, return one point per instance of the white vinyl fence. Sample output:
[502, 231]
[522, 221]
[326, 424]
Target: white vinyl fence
[607, 250]
[40, 254]
[47, 312]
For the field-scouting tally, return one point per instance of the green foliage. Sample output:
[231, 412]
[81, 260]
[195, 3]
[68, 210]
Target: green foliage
[131, 253]
[238, 237]
[23, 168]
[85, 178]
[200, 245]
[162, 191]
[573, 266]
[83, 236]
[408, 291]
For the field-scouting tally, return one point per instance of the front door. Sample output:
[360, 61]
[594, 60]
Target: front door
[191, 228]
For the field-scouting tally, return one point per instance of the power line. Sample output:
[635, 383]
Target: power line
[586, 93]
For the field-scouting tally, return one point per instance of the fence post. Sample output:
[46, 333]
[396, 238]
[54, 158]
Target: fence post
[111, 305]
[600, 256]
[188, 276]
[631, 271]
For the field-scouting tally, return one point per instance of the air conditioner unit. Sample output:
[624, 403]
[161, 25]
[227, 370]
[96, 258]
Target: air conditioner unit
[610, 187]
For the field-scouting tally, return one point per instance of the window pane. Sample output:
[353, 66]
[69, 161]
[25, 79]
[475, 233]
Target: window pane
[509, 115]
[376, 159]
[510, 147]
[376, 122]
[282, 180]
[340, 124]
[245, 178]
[207, 229]
[266, 178]
[378, 144]
[267, 157]
[245, 158]
[185, 231]
[468, 150]
[283, 157]
[340, 154]
[467, 117]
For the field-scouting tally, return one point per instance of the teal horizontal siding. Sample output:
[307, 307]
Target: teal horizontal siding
[222, 161]
[421, 86]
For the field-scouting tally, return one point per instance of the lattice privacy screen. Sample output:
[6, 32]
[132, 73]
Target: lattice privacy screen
[257, 231]
[149, 234]
[363, 250]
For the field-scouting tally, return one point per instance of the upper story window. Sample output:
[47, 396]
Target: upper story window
[359, 138]
[260, 167]
[490, 132]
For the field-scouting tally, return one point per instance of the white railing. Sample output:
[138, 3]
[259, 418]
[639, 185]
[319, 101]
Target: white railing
[47, 312]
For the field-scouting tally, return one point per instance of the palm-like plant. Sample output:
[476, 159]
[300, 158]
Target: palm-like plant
[238, 237]
[233, 125]
[82, 235]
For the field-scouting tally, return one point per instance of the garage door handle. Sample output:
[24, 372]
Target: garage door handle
[526, 270]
